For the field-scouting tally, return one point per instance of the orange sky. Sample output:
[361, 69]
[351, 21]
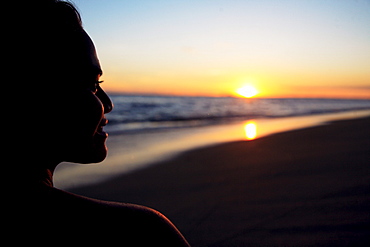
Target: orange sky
[227, 85]
[211, 48]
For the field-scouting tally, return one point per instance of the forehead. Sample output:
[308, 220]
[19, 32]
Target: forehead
[86, 59]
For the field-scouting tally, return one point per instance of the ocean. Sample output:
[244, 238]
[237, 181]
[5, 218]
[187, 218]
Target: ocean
[146, 129]
[143, 113]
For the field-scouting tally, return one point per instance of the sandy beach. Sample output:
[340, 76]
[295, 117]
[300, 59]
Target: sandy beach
[308, 187]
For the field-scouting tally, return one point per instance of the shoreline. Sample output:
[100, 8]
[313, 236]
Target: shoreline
[307, 187]
[131, 152]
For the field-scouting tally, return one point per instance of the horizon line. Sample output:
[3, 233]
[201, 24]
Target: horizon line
[233, 96]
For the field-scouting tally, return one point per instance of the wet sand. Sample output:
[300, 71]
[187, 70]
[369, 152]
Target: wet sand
[308, 187]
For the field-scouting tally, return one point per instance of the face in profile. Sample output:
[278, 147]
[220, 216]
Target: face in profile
[80, 108]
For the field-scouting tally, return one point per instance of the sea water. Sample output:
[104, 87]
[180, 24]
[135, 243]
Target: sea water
[146, 129]
[141, 113]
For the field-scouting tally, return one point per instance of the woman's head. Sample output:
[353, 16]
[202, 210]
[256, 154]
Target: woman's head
[59, 85]
[78, 108]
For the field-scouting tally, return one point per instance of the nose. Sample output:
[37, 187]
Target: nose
[106, 101]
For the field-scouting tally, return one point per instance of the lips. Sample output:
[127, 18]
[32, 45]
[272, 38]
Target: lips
[100, 130]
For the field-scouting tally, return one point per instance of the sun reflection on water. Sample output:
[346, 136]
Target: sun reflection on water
[250, 129]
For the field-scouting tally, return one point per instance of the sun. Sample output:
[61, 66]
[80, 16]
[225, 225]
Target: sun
[247, 91]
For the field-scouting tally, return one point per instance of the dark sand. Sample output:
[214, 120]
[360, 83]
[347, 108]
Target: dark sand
[308, 187]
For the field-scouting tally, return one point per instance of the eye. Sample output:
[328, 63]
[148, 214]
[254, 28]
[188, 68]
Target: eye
[95, 86]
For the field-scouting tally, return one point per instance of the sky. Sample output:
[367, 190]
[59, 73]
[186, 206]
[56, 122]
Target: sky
[286, 48]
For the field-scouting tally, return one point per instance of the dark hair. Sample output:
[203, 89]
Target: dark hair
[59, 15]
[57, 24]
[41, 37]
[41, 40]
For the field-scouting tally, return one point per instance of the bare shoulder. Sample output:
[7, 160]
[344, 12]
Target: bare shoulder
[111, 220]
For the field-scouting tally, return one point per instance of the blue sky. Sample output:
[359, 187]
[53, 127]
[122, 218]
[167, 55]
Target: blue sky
[213, 47]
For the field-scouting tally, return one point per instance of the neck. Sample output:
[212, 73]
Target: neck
[44, 177]
[41, 175]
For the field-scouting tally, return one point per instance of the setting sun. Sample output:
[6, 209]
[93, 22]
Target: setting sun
[247, 91]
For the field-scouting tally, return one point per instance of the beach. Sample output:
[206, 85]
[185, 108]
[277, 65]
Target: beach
[307, 187]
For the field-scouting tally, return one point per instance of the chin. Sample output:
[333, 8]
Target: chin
[95, 155]
[99, 156]
[92, 154]
[87, 151]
